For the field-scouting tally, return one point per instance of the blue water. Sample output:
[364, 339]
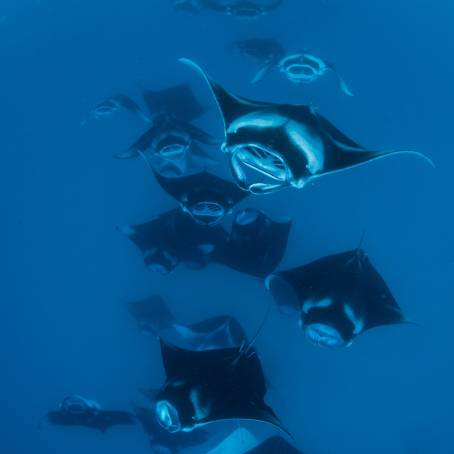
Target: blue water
[67, 272]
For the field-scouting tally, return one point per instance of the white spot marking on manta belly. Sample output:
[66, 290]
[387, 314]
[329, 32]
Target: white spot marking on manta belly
[357, 322]
[201, 412]
[257, 120]
[309, 144]
[309, 304]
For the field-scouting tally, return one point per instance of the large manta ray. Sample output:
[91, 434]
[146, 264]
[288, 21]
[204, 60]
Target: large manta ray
[173, 238]
[302, 67]
[75, 410]
[204, 196]
[338, 297]
[204, 387]
[161, 440]
[256, 243]
[243, 9]
[154, 317]
[289, 145]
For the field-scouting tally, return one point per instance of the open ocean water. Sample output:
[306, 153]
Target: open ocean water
[68, 273]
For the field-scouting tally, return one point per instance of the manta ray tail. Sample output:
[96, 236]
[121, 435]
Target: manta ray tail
[246, 347]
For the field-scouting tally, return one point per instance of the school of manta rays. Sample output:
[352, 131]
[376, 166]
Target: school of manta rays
[213, 372]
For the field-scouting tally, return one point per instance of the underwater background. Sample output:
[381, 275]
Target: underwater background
[67, 272]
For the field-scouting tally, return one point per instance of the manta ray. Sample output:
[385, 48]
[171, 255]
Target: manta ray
[285, 144]
[172, 140]
[206, 197]
[301, 68]
[114, 104]
[174, 238]
[154, 317]
[338, 297]
[75, 410]
[256, 243]
[203, 387]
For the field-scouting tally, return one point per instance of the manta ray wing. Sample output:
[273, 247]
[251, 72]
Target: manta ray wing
[230, 106]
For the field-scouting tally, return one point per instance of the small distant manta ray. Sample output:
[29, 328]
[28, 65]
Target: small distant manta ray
[242, 9]
[289, 145]
[274, 445]
[161, 440]
[204, 387]
[338, 297]
[207, 198]
[172, 137]
[302, 67]
[174, 238]
[154, 317]
[256, 243]
[114, 104]
[174, 147]
[75, 410]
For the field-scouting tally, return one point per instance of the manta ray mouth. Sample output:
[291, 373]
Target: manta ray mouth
[260, 160]
[76, 405]
[167, 416]
[172, 145]
[302, 68]
[105, 109]
[301, 73]
[323, 335]
[173, 150]
[207, 212]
